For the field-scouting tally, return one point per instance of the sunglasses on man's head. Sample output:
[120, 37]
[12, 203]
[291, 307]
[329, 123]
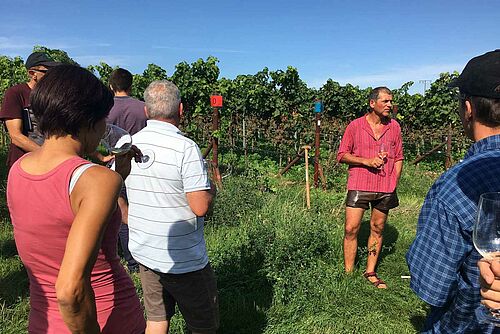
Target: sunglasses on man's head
[41, 71]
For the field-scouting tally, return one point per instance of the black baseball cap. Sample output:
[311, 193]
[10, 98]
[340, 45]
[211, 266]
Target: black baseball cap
[481, 76]
[40, 59]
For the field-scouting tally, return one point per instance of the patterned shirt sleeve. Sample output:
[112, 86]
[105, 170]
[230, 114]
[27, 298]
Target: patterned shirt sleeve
[347, 142]
[398, 154]
[194, 171]
[436, 254]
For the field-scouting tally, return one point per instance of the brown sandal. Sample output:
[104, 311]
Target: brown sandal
[377, 282]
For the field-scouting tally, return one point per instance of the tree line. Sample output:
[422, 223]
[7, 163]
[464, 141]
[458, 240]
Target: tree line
[277, 106]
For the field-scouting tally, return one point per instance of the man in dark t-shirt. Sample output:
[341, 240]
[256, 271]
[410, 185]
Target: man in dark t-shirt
[16, 112]
[127, 113]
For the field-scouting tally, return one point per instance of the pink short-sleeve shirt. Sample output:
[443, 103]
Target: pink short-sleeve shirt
[360, 141]
[41, 214]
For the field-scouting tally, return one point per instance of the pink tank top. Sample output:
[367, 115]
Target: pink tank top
[41, 214]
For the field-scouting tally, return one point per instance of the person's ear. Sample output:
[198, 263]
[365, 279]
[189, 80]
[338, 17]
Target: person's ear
[32, 75]
[469, 113]
[181, 109]
[146, 112]
[372, 104]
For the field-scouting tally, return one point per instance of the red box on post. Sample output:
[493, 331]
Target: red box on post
[216, 101]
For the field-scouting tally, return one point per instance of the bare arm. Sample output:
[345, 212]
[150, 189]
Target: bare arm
[398, 167]
[123, 161]
[14, 127]
[102, 158]
[201, 201]
[353, 160]
[93, 200]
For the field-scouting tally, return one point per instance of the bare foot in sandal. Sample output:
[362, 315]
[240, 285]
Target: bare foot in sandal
[375, 280]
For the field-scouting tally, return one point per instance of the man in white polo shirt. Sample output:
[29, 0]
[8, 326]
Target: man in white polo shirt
[169, 194]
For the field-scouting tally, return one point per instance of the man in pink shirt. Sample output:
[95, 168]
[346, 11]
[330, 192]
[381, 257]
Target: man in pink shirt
[372, 147]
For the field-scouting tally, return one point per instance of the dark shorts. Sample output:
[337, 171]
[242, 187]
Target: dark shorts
[379, 201]
[195, 294]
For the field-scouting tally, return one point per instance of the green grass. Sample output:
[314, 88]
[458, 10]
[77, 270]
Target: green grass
[279, 266]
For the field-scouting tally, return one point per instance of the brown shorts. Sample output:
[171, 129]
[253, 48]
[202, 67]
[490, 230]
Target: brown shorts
[195, 294]
[379, 201]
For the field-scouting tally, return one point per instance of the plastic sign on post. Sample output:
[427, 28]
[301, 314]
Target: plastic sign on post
[318, 106]
[216, 101]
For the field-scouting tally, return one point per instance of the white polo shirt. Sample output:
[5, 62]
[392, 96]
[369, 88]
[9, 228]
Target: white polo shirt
[164, 234]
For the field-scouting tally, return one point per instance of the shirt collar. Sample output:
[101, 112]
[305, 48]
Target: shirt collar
[165, 126]
[485, 144]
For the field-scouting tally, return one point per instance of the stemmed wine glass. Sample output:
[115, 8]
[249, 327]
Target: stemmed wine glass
[486, 239]
[118, 141]
[382, 150]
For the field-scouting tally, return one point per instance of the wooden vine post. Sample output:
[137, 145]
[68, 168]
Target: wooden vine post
[245, 141]
[291, 163]
[318, 108]
[306, 156]
[216, 103]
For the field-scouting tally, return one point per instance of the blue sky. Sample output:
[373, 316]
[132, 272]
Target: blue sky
[358, 42]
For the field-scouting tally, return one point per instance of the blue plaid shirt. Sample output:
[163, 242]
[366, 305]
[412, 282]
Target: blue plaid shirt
[442, 259]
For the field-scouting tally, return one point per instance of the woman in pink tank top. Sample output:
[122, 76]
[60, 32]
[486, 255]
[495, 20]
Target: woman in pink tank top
[66, 237]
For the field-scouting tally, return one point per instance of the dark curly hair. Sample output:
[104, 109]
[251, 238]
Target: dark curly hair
[69, 98]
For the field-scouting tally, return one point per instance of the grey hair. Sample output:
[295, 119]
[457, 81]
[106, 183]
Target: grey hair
[376, 91]
[162, 99]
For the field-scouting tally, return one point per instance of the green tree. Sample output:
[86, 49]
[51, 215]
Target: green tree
[56, 54]
[296, 96]
[295, 116]
[12, 72]
[197, 81]
[344, 102]
[141, 82]
[409, 106]
[103, 71]
[440, 104]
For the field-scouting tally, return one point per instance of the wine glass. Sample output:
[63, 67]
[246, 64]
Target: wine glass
[118, 141]
[486, 239]
[382, 152]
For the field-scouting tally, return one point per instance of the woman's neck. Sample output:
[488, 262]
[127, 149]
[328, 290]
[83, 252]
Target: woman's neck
[65, 145]
[53, 152]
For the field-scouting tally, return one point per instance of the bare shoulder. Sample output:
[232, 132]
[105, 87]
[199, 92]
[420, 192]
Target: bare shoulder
[97, 186]
[99, 178]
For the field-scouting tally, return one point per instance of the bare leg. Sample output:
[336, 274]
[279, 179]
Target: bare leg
[353, 218]
[157, 327]
[377, 223]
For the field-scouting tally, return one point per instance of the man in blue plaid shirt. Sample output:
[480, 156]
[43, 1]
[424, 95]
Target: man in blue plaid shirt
[442, 259]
